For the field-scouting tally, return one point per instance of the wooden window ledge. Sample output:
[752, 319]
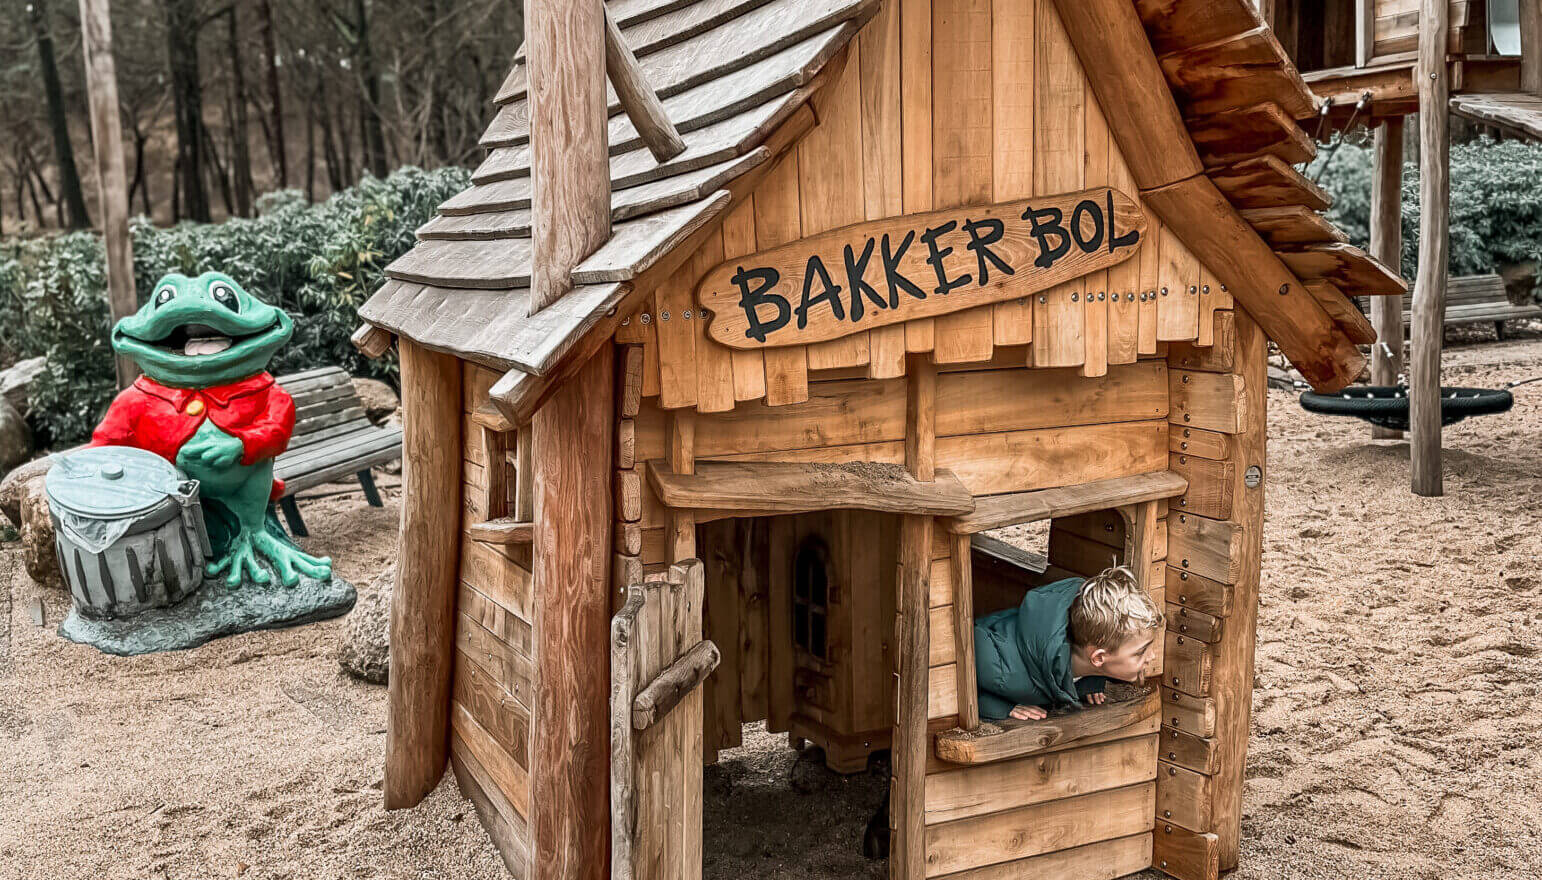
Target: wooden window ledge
[765, 487]
[503, 530]
[996, 511]
[1001, 740]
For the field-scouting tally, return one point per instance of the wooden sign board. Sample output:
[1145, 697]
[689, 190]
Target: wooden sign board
[916, 266]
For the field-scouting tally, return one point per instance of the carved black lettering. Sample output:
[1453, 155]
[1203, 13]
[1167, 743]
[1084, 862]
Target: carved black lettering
[1115, 240]
[891, 275]
[980, 243]
[751, 299]
[830, 293]
[934, 255]
[855, 268]
[1087, 208]
[1046, 222]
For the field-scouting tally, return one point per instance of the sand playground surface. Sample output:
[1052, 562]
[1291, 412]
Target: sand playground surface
[1396, 710]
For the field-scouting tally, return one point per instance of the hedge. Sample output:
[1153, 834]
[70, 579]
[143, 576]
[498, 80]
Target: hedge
[319, 262]
[1496, 202]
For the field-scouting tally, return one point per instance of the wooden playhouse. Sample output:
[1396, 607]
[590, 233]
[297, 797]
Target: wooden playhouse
[876, 278]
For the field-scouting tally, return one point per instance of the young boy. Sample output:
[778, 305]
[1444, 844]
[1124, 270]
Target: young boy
[1063, 643]
[1059, 647]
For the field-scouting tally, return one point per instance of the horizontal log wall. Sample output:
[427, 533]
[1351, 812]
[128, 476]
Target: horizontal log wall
[490, 712]
[1214, 551]
[941, 103]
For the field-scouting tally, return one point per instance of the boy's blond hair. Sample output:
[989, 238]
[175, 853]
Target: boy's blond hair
[1111, 608]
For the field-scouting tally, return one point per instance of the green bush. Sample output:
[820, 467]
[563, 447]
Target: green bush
[1496, 203]
[318, 262]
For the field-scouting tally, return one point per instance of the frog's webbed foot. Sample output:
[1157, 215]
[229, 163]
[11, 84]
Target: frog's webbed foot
[290, 562]
[240, 562]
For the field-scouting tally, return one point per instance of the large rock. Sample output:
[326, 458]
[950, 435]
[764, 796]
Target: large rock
[15, 381]
[24, 502]
[365, 652]
[37, 540]
[19, 483]
[380, 402]
[15, 437]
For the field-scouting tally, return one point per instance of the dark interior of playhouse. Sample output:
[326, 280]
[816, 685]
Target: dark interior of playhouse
[802, 606]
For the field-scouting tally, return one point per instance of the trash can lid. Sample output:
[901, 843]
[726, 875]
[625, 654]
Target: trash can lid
[110, 482]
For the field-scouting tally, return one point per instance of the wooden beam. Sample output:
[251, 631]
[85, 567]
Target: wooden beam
[637, 97]
[797, 487]
[1000, 740]
[1429, 308]
[1531, 47]
[422, 637]
[1133, 93]
[503, 530]
[961, 561]
[570, 739]
[996, 511]
[371, 341]
[111, 184]
[673, 684]
[1387, 246]
[912, 643]
[570, 161]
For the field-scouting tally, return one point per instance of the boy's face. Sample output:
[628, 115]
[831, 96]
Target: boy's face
[1129, 661]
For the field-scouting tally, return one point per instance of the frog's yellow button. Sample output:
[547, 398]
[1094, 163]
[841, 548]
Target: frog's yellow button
[194, 407]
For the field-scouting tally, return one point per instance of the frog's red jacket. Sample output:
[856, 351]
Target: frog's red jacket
[160, 418]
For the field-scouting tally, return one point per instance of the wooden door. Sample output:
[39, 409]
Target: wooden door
[658, 662]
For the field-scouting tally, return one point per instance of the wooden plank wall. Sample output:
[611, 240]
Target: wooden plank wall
[490, 713]
[1397, 27]
[997, 109]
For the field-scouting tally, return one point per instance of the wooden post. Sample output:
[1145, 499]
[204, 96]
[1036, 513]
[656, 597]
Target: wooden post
[1429, 309]
[422, 635]
[1387, 246]
[912, 638]
[1531, 47]
[570, 164]
[1231, 680]
[637, 97]
[570, 738]
[111, 184]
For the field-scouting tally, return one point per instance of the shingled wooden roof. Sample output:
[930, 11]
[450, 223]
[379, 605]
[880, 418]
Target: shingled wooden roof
[734, 76]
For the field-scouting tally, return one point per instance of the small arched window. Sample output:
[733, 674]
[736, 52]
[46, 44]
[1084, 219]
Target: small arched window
[811, 597]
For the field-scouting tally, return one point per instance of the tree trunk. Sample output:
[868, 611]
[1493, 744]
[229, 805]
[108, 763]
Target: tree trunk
[276, 146]
[240, 152]
[64, 152]
[187, 100]
[217, 171]
[310, 158]
[371, 130]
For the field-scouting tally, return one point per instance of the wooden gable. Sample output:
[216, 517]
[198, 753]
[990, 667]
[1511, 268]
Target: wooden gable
[995, 108]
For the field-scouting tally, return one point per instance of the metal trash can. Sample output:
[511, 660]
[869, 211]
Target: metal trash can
[130, 530]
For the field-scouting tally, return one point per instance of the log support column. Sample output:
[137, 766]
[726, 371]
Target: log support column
[422, 634]
[570, 739]
[1387, 246]
[912, 638]
[1429, 309]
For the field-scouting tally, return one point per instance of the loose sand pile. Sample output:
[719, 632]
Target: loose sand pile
[1394, 733]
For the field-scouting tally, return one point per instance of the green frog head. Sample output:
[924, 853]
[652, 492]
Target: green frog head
[201, 332]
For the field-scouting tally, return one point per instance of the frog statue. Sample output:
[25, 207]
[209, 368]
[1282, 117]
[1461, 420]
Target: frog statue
[207, 404]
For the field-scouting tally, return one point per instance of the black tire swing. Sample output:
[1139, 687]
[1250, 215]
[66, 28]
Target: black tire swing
[1387, 405]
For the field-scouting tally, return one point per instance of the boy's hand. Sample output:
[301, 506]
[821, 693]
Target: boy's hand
[1029, 713]
[1095, 699]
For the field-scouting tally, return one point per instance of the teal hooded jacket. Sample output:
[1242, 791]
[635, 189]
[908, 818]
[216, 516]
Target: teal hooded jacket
[1022, 656]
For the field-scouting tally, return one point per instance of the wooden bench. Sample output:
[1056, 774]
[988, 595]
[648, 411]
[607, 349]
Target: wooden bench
[332, 438]
[1477, 299]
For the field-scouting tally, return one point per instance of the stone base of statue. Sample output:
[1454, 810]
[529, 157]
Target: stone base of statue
[213, 610]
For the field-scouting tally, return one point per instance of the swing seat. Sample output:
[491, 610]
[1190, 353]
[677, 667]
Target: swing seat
[1386, 406]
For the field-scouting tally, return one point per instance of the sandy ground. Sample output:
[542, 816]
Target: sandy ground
[1396, 705]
